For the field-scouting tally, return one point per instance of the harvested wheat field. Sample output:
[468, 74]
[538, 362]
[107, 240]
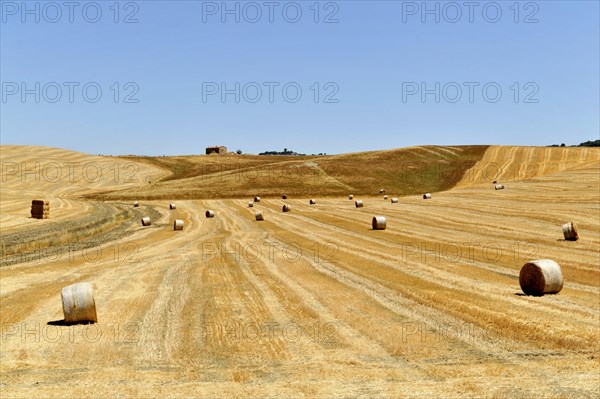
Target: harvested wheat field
[311, 303]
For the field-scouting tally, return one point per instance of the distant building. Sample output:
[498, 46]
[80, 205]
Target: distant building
[221, 150]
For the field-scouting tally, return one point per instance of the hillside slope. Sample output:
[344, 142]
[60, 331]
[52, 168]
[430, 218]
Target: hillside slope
[62, 177]
[315, 304]
[519, 164]
[310, 303]
[401, 172]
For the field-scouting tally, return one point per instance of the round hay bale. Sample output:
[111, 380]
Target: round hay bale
[351, 197]
[146, 221]
[172, 206]
[78, 303]
[286, 208]
[427, 196]
[379, 223]
[250, 204]
[539, 277]
[256, 199]
[495, 182]
[381, 191]
[259, 216]
[284, 196]
[359, 203]
[499, 186]
[394, 200]
[570, 231]
[385, 197]
[136, 204]
[312, 201]
[210, 214]
[178, 224]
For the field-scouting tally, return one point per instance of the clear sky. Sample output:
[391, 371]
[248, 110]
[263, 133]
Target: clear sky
[177, 76]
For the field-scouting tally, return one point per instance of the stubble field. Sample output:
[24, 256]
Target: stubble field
[310, 303]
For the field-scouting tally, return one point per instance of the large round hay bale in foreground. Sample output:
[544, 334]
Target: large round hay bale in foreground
[394, 200]
[499, 186]
[379, 223]
[427, 196]
[539, 277]
[250, 204]
[78, 303]
[359, 203]
[286, 208]
[351, 197]
[312, 201]
[136, 204]
[256, 199]
[172, 206]
[259, 216]
[146, 221]
[178, 224]
[570, 231]
[209, 214]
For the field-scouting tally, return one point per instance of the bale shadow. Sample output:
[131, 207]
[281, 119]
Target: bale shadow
[63, 323]
[57, 323]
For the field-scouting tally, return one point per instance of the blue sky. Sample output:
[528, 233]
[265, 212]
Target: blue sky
[361, 68]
